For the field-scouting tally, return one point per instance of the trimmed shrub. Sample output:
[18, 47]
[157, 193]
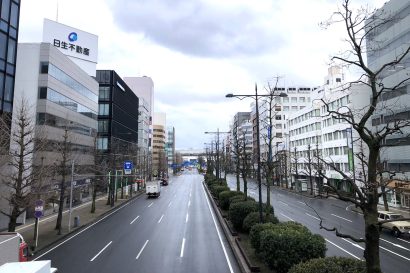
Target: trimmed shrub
[216, 189]
[224, 198]
[283, 246]
[240, 198]
[253, 218]
[238, 211]
[330, 265]
[267, 209]
[254, 234]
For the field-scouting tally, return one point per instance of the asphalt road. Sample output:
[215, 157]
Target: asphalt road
[176, 232]
[288, 206]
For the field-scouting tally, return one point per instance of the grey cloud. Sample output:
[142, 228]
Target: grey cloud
[196, 28]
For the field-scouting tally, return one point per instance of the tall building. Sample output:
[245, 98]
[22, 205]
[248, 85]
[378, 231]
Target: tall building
[63, 101]
[9, 24]
[314, 134]
[143, 87]
[159, 156]
[117, 115]
[171, 145]
[387, 43]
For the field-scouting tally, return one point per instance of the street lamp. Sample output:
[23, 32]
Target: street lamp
[259, 178]
[217, 150]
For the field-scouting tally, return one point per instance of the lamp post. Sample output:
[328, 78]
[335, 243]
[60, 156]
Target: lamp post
[259, 178]
[217, 150]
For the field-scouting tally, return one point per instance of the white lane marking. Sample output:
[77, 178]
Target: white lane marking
[353, 244]
[303, 203]
[134, 219]
[182, 248]
[160, 219]
[46, 219]
[78, 233]
[169, 204]
[287, 217]
[314, 217]
[150, 204]
[100, 252]
[396, 245]
[139, 253]
[219, 234]
[342, 218]
[403, 240]
[408, 259]
[189, 203]
[283, 203]
[186, 218]
[343, 249]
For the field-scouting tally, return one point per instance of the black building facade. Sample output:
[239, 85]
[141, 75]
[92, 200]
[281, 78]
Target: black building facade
[117, 112]
[9, 23]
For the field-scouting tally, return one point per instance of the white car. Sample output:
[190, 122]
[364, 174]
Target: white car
[396, 227]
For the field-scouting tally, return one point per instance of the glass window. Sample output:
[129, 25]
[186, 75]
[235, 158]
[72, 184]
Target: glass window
[44, 68]
[14, 15]
[1, 86]
[302, 99]
[103, 126]
[3, 45]
[294, 100]
[104, 109]
[5, 9]
[104, 93]
[11, 51]
[285, 99]
[8, 90]
[102, 143]
[285, 108]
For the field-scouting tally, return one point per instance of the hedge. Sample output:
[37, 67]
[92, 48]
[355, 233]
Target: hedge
[330, 265]
[254, 234]
[253, 218]
[238, 211]
[224, 198]
[286, 245]
[216, 189]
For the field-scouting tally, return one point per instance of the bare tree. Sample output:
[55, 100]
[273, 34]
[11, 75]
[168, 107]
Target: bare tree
[19, 176]
[361, 26]
[236, 153]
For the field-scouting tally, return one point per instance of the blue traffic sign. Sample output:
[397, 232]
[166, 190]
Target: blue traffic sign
[128, 165]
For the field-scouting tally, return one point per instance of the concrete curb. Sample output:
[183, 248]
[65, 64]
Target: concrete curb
[65, 236]
[239, 254]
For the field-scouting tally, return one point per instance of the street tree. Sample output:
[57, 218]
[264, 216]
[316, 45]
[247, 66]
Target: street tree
[19, 175]
[361, 27]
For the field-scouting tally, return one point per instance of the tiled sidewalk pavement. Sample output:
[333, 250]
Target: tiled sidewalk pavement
[48, 234]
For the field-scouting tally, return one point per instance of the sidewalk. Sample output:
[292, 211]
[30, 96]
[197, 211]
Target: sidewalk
[48, 234]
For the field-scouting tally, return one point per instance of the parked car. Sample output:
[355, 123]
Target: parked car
[396, 227]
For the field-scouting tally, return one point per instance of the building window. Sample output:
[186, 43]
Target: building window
[104, 93]
[5, 9]
[103, 126]
[102, 143]
[44, 68]
[302, 99]
[285, 100]
[104, 109]
[294, 99]
[338, 80]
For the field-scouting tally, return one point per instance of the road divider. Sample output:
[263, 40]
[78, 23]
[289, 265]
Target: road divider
[396, 245]
[314, 217]
[287, 217]
[340, 217]
[353, 244]
[342, 249]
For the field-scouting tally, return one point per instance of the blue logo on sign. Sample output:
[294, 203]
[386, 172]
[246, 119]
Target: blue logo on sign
[72, 36]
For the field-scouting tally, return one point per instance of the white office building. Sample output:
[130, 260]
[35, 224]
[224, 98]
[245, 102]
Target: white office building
[313, 131]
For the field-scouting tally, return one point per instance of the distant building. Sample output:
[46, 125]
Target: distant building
[159, 155]
[171, 145]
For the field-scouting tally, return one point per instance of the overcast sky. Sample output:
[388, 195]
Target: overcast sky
[197, 51]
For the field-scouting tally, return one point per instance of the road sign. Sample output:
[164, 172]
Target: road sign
[128, 167]
[38, 208]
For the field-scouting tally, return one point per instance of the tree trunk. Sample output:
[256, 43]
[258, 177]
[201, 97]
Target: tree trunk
[386, 205]
[93, 197]
[238, 181]
[245, 186]
[371, 252]
[61, 205]
[13, 221]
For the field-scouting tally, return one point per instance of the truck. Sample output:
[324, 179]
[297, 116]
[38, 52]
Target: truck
[13, 248]
[28, 267]
[153, 188]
